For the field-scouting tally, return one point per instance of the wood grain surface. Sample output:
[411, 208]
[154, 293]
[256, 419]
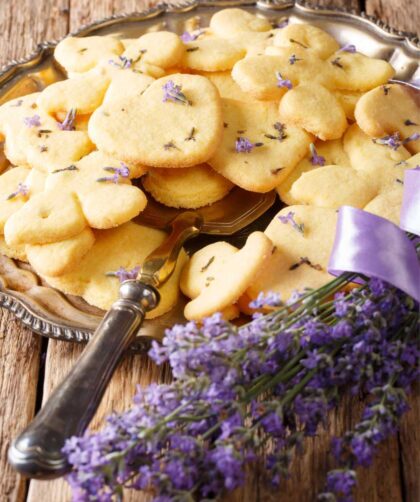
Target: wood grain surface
[30, 368]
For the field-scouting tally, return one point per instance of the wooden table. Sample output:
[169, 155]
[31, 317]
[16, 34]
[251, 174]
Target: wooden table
[31, 366]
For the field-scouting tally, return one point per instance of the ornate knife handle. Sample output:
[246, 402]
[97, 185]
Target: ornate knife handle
[36, 453]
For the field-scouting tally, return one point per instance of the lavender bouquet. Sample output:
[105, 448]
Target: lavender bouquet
[242, 394]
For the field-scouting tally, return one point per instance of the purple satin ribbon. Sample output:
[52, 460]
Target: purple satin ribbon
[410, 209]
[373, 246]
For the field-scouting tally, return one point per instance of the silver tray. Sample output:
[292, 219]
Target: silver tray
[52, 314]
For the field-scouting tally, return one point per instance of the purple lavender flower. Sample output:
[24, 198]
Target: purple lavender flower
[281, 82]
[270, 299]
[68, 122]
[190, 36]
[340, 484]
[293, 59]
[22, 189]
[124, 274]
[124, 63]
[417, 168]
[290, 219]
[393, 141]
[244, 145]
[173, 92]
[414, 137]
[118, 173]
[348, 48]
[34, 121]
[316, 160]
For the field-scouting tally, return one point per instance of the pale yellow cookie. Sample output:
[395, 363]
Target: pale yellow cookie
[212, 54]
[389, 109]
[315, 109]
[348, 100]
[226, 86]
[90, 192]
[48, 150]
[260, 75]
[230, 22]
[299, 260]
[356, 72]
[255, 43]
[46, 217]
[159, 48]
[188, 188]
[83, 93]
[231, 279]
[80, 54]
[13, 193]
[60, 257]
[332, 186]
[203, 265]
[381, 164]
[126, 246]
[154, 132]
[257, 152]
[306, 36]
[387, 204]
[333, 154]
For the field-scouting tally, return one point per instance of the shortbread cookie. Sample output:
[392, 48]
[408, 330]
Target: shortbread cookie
[95, 192]
[188, 188]
[203, 265]
[13, 193]
[381, 164]
[332, 186]
[157, 125]
[49, 216]
[83, 93]
[348, 100]
[257, 151]
[60, 257]
[390, 109]
[269, 77]
[212, 54]
[306, 36]
[159, 48]
[315, 109]
[231, 22]
[231, 279]
[329, 153]
[303, 239]
[387, 204]
[123, 247]
[80, 54]
[356, 72]
[226, 86]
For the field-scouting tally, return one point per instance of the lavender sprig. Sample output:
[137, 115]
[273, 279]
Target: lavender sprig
[348, 48]
[394, 141]
[293, 59]
[316, 160]
[237, 389]
[290, 219]
[22, 190]
[34, 121]
[124, 274]
[281, 82]
[118, 173]
[68, 122]
[172, 92]
[244, 145]
[190, 36]
[124, 63]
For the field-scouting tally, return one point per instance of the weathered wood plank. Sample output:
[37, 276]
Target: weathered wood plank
[400, 14]
[22, 25]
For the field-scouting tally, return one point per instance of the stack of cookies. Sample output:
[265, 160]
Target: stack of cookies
[240, 102]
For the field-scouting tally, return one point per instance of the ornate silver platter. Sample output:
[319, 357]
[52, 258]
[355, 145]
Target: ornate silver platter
[54, 315]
